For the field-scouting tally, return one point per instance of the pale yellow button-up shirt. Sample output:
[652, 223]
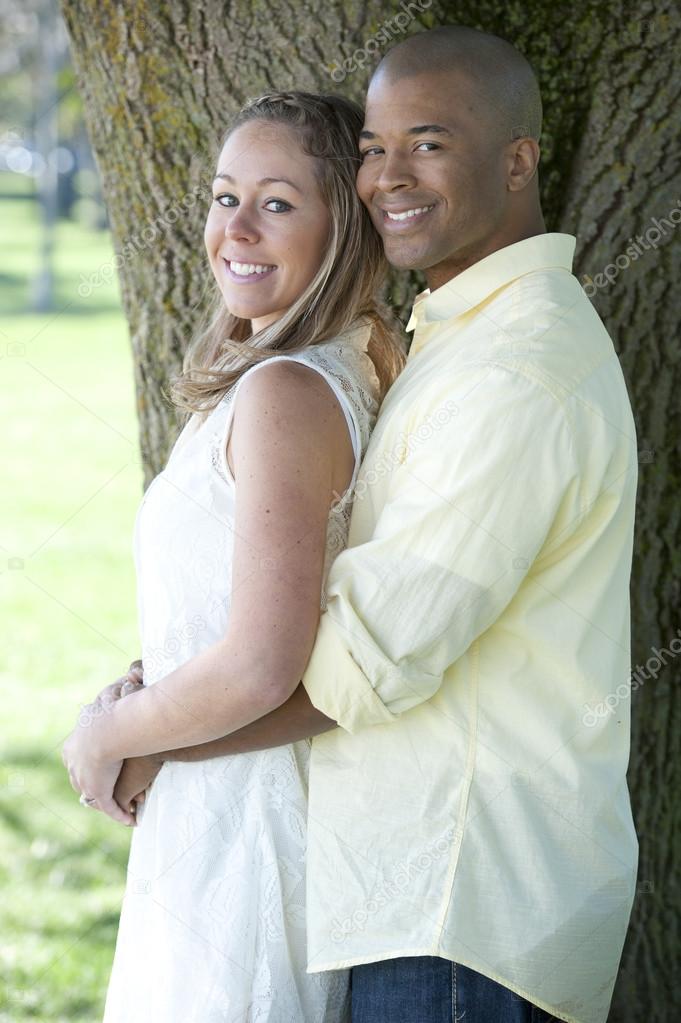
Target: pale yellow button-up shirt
[476, 651]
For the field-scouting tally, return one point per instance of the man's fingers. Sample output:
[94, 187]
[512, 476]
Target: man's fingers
[131, 686]
[110, 694]
[128, 683]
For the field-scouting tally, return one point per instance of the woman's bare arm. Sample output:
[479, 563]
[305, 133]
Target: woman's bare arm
[292, 453]
[294, 720]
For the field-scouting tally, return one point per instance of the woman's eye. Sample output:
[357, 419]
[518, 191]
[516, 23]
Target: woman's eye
[278, 202]
[370, 152]
[229, 201]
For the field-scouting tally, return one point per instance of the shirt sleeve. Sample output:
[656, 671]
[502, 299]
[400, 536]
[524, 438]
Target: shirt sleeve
[466, 514]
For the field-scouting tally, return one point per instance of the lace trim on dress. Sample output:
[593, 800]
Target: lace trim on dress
[354, 373]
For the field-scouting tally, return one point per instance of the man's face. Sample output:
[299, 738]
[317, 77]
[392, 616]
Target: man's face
[433, 174]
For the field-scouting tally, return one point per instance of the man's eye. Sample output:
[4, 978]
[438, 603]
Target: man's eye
[278, 202]
[432, 145]
[225, 195]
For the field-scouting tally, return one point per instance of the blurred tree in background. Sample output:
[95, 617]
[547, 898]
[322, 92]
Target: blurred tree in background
[43, 138]
[160, 81]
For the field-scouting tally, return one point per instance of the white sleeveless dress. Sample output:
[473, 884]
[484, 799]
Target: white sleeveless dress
[212, 927]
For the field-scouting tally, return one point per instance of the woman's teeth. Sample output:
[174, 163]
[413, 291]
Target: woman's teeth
[245, 269]
[408, 213]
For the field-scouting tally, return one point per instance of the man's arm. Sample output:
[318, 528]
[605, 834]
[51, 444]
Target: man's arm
[294, 720]
[468, 510]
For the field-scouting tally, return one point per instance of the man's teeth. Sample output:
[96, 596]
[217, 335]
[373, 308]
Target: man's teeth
[408, 213]
[244, 269]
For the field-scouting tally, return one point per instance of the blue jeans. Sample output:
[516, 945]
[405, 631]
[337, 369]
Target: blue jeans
[428, 989]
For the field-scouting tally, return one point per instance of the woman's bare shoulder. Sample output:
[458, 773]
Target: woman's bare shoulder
[286, 403]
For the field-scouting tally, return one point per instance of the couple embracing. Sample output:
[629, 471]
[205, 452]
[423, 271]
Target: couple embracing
[362, 784]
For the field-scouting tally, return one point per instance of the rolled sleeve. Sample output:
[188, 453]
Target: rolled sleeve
[336, 684]
[465, 515]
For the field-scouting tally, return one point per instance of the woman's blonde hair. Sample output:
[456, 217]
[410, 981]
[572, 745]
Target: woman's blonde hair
[344, 290]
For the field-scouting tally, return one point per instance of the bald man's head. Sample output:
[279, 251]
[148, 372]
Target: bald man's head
[449, 151]
[502, 78]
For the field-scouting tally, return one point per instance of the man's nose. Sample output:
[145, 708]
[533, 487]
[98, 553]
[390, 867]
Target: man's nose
[394, 173]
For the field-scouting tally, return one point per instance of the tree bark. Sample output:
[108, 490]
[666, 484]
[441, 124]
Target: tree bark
[160, 82]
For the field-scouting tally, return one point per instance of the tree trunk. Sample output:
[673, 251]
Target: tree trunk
[160, 82]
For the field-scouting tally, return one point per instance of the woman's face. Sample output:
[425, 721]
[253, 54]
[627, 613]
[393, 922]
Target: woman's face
[268, 226]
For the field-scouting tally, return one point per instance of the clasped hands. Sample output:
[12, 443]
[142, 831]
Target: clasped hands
[117, 788]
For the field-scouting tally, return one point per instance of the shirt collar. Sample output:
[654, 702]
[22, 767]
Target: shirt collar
[473, 285]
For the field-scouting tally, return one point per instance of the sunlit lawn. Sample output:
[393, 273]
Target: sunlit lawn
[71, 483]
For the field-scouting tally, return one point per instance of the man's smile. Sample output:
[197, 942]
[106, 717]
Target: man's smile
[395, 219]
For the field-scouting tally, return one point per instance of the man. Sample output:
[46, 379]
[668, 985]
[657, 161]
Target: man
[471, 848]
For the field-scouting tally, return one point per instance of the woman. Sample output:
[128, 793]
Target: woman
[233, 542]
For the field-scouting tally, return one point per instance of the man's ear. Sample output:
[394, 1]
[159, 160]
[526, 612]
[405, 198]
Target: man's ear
[522, 161]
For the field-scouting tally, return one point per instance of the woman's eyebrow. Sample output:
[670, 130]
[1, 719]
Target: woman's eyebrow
[263, 181]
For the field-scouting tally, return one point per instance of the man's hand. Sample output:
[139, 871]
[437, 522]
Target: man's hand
[137, 774]
[128, 683]
[81, 760]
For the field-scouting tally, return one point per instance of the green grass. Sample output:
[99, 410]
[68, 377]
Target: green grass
[72, 482]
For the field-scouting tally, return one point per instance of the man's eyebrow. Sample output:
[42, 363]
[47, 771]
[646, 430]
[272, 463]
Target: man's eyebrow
[263, 181]
[429, 129]
[419, 129]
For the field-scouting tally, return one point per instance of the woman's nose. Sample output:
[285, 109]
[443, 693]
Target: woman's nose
[241, 225]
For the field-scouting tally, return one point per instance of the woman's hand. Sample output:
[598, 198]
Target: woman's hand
[88, 774]
[137, 774]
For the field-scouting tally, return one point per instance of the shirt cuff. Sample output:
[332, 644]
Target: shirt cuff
[338, 687]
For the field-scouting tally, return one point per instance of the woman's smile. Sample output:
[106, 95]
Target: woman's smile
[247, 273]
